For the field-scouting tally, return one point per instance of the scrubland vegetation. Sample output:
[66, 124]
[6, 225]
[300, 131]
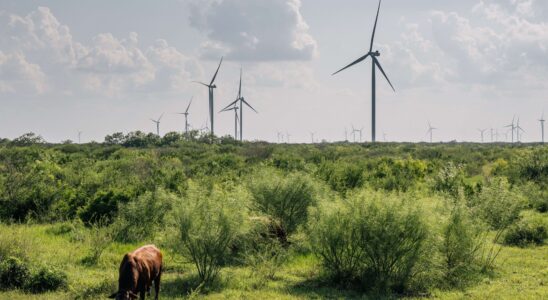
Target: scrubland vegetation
[263, 221]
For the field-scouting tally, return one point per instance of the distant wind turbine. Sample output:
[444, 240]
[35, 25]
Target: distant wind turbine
[542, 120]
[312, 134]
[158, 124]
[235, 109]
[186, 115]
[280, 136]
[518, 131]
[430, 131]
[242, 101]
[79, 137]
[482, 131]
[512, 127]
[375, 64]
[211, 87]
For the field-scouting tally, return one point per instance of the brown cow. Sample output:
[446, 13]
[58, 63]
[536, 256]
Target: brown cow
[137, 271]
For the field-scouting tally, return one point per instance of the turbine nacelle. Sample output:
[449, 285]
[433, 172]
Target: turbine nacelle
[376, 53]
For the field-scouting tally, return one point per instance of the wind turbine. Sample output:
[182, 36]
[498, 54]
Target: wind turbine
[430, 131]
[361, 132]
[518, 129]
[482, 131]
[235, 109]
[375, 64]
[186, 115]
[312, 134]
[79, 136]
[211, 86]
[242, 101]
[158, 124]
[542, 126]
[345, 134]
[512, 127]
[280, 136]
[288, 137]
[354, 133]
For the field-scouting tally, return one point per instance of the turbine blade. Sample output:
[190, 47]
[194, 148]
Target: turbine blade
[350, 65]
[198, 82]
[186, 111]
[231, 104]
[375, 27]
[216, 72]
[240, 89]
[249, 105]
[383, 73]
[160, 118]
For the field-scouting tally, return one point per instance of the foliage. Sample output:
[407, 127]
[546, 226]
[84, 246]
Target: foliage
[497, 204]
[384, 243]
[532, 228]
[461, 247]
[209, 221]
[103, 207]
[46, 279]
[286, 198]
[140, 219]
[14, 273]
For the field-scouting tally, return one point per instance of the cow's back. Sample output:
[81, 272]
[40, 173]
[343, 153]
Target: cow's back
[149, 259]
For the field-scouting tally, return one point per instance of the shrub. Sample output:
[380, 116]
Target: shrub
[140, 219]
[209, 222]
[461, 246]
[14, 273]
[99, 239]
[450, 179]
[373, 238]
[497, 204]
[284, 198]
[103, 207]
[532, 228]
[46, 279]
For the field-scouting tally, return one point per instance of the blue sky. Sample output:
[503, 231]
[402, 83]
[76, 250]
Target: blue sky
[107, 66]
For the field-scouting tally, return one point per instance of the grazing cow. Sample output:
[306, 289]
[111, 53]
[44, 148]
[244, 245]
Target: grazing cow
[137, 271]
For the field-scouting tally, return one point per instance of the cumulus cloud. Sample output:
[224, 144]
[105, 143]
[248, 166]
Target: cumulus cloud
[109, 65]
[507, 49]
[255, 30]
[19, 75]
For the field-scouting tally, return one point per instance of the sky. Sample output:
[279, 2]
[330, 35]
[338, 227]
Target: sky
[110, 66]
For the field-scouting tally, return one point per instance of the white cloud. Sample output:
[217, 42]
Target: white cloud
[108, 66]
[256, 30]
[17, 75]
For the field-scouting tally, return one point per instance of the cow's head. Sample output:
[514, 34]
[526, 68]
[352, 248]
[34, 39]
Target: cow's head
[124, 295]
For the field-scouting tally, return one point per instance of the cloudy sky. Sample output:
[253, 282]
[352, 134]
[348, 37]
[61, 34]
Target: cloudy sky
[106, 66]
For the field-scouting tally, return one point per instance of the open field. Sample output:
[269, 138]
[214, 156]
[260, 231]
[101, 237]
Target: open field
[78, 209]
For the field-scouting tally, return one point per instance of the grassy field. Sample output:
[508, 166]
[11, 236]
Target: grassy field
[521, 273]
[326, 221]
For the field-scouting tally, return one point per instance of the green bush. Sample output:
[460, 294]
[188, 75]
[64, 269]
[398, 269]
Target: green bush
[14, 273]
[46, 279]
[285, 198]
[497, 204]
[209, 222]
[374, 239]
[461, 248]
[450, 179]
[103, 207]
[140, 219]
[532, 228]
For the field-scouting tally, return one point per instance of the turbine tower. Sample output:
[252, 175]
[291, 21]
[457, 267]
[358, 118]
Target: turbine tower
[482, 131]
[312, 134]
[542, 126]
[186, 115]
[157, 124]
[518, 130]
[235, 109]
[211, 87]
[430, 131]
[375, 64]
[512, 127]
[79, 137]
[242, 101]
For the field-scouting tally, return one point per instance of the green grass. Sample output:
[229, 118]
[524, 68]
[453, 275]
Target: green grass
[521, 273]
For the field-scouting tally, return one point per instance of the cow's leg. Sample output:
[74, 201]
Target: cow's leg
[142, 294]
[157, 286]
